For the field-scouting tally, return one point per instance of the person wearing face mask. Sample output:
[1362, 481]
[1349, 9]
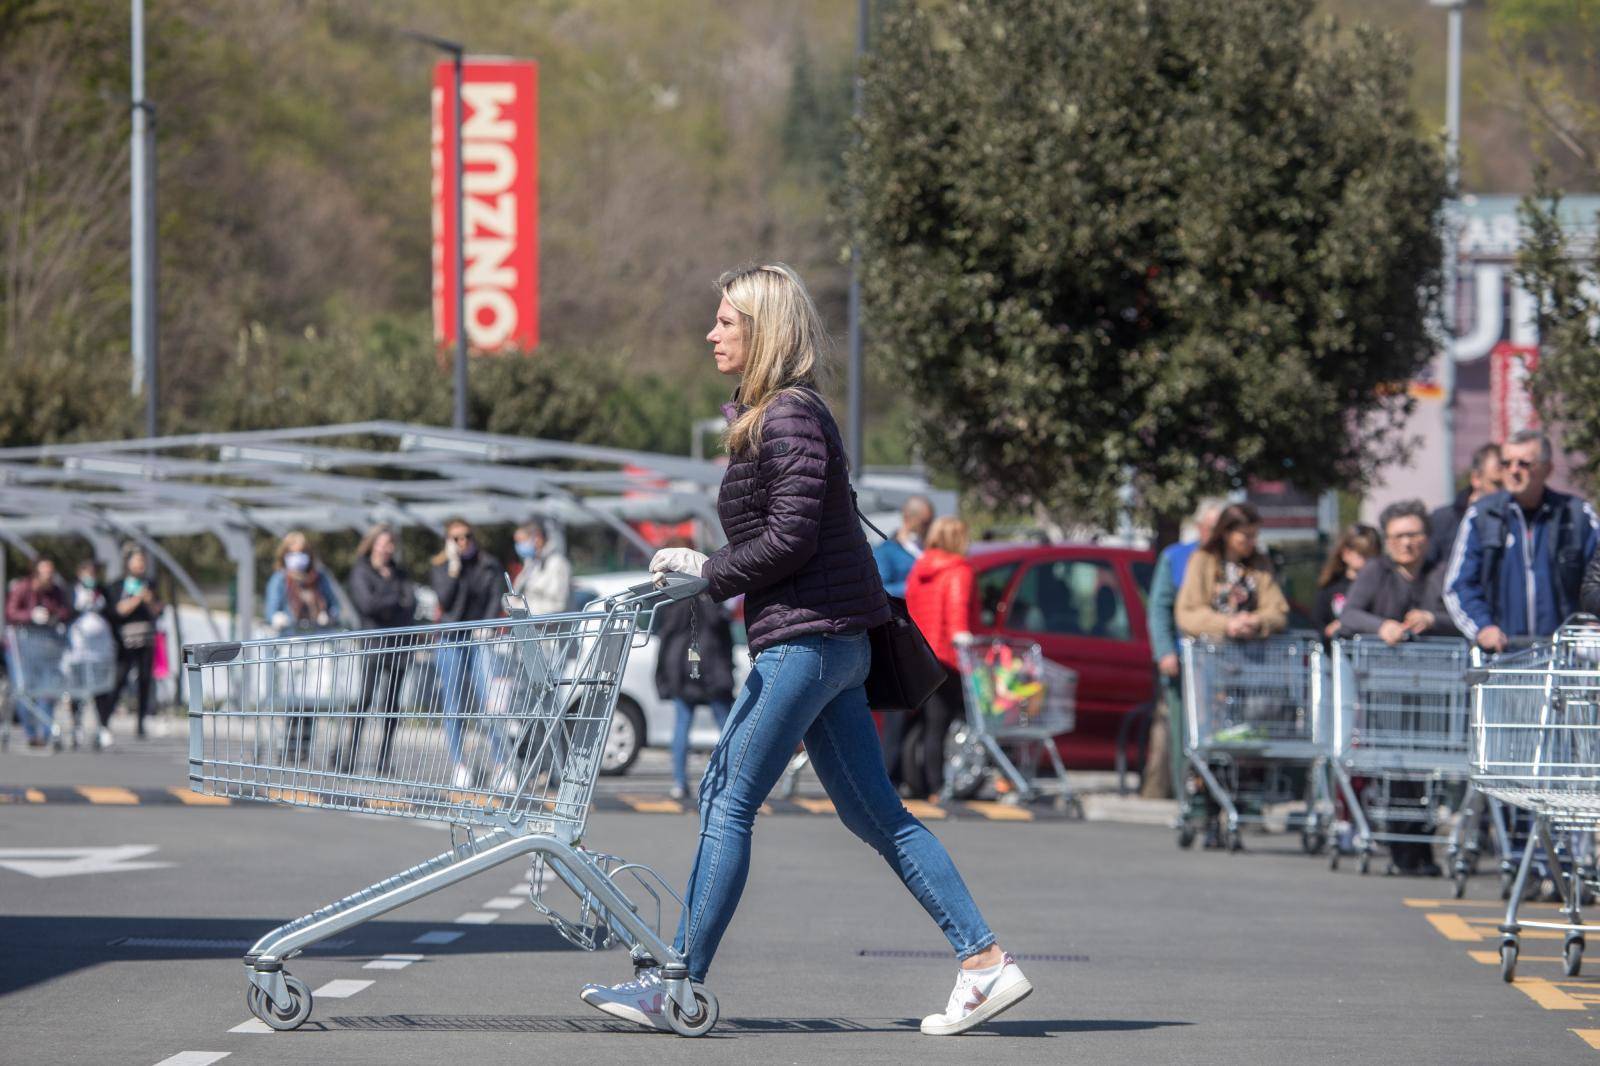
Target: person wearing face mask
[133, 613]
[299, 594]
[544, 579]
[89, 641]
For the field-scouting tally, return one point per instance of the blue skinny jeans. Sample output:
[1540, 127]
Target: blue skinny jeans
[810, 689]
[720, 709]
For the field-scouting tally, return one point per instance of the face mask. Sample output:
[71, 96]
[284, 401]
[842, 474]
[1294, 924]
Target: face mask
[299, 562]
[470, 551]
[527, 549]
[89, 582]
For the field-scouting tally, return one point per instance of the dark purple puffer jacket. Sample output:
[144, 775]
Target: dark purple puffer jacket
[795, 547]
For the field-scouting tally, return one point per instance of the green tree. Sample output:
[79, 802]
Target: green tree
[1552, 50]
[1566, 381]
[1175, 245]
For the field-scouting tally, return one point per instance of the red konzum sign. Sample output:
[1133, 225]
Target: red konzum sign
[1510, 402]
[500, 143]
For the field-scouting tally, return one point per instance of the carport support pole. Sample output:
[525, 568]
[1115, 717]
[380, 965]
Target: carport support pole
[236, 542]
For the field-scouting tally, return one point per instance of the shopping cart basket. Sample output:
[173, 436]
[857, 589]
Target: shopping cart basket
[1400, 722]
[44, 667]
[1015, 699]
[1254, 717]
[514, 767]
[1536, 746]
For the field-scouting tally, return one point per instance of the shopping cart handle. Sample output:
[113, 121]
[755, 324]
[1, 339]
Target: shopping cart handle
[1476, 677]
[669, 586]
[207, 654]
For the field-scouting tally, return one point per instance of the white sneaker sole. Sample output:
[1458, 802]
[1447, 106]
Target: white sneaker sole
[622, 1011]
[1000, 1001]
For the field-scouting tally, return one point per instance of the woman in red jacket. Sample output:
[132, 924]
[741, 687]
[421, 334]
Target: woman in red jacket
[939, 599]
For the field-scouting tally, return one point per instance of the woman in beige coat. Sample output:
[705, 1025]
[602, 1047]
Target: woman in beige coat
[1228, 593]
[1228, 589]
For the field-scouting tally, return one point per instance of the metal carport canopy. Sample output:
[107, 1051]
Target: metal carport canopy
[236, 486]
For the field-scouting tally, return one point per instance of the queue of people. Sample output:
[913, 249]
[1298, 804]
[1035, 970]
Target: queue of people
[104, 637]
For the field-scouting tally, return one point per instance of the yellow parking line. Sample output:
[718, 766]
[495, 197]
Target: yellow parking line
[199, 799]
[1453, 927]
[1498, 905]
[649, 805]
[815, 806]
[1000, 812]
[1546, 994]
[1492, 958]
[1589, 1036]
[108, 794]
[927, 811]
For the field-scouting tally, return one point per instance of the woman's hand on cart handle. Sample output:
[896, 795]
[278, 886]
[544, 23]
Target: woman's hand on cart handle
[678, 561]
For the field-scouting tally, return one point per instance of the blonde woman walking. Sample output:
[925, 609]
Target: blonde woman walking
[796, 553]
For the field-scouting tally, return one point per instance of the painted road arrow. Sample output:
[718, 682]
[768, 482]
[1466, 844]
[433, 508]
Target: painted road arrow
[72, 862]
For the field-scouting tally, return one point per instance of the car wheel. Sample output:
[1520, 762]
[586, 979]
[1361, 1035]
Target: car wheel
[625, 740]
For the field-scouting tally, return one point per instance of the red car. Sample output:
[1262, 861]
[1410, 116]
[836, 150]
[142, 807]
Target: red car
[1084, 604]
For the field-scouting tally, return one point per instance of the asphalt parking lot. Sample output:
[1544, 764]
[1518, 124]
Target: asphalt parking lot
[122, 923]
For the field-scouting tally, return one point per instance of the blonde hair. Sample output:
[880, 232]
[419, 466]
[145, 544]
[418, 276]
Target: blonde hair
[370, 538]
[294, 536]
[949, 534]
[785, 343]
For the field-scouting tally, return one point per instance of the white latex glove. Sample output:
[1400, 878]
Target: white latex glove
[280, 620]
[322, 618]
[452, 553]
[678, 561]
[40, 616]
[961, 639]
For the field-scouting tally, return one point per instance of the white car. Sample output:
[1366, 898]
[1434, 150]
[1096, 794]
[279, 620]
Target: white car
[643, 719]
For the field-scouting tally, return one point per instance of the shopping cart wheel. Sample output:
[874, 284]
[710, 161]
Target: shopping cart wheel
[1366, 862]
[1572, 955]
[1186, 835]
[1312, 843]
[1508, 960]
[299, 1005]
[697, 1026]
[1235, 840]
[1460, 887]
[1333, 858]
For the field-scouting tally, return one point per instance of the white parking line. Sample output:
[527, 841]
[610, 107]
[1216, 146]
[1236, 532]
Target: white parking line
[194, 1058]
[439, 936]
[477, 918]
[254, 1025]
[340, 989]
[392, 962]
[505, 903]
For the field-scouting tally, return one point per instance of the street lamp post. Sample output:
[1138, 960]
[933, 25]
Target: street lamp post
[856, 416]
[1452, 123]
[142, 214]
[458, 212]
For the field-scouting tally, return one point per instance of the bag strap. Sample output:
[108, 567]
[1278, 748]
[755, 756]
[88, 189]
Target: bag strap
[864, 519]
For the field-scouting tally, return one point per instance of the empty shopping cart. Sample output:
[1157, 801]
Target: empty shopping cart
[506, 749]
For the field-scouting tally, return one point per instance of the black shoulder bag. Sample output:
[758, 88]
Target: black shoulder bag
[905, 672]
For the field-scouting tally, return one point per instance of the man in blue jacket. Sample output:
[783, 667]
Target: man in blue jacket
[895, 555]
[1518, 562]
[1164, 585]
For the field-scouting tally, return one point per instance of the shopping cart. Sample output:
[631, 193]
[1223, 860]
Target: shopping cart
[1400, 722]
[1255, 721]
[1536, 746]
[512, 769]
[1016, 699]
[44, 666]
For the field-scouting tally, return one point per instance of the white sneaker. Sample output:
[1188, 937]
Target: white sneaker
[641, 1001]
[978, 996]
[102, 739]
[463, 777]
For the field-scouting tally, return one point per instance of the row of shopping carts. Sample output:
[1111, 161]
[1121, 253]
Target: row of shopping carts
[1386, 745]
[44, 665]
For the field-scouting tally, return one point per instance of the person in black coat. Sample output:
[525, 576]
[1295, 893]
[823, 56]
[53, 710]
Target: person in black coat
[385, 599]
[702, 621]
[468, 582]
